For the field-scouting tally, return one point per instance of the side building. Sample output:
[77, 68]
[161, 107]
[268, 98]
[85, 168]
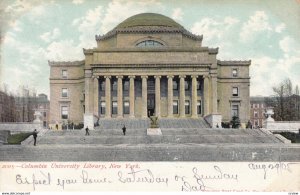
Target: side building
[149, 65]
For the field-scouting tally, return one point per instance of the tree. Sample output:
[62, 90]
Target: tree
[284, 101]
[235, 122]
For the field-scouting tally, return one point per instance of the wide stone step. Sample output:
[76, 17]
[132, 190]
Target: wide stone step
[176, 139]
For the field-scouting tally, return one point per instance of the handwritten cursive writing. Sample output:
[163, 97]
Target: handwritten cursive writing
[141, 176]
[34, 180]
[265, 167]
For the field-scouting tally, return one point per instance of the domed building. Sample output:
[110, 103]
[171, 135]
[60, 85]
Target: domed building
[149, 65]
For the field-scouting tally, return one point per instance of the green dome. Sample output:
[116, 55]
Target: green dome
[149, 19]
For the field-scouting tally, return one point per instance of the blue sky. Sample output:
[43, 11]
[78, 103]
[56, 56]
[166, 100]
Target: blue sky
[265, 31]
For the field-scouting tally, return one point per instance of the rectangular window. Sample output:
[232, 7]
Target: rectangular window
[102, 86]
[256, 123]
[126, 85]
[114, 85]
[235, 72]
[235, 110]
[64, 92]
[175, 85]
[126, 107]
[45, 114]
[114, 107]
[187, 106]
[64, 112]
[198, 85]
[186, 85]
[64, 73]
[235, 91]
[102, 107]
[175, 107]
[199, 107]
[255, 114]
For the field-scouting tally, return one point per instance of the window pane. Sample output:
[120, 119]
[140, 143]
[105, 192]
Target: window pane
[175, 85]
[114, 107]
[64, 112]
[102, 107]
[64, 73]
[149, 43]
[199, 107]
[235, 110]
[234, 72]
[64, 92]
[126, 107]
[186, 85]
[187, 107]
[175, 107]
[235, 91]
[126, 85]
[114, 85]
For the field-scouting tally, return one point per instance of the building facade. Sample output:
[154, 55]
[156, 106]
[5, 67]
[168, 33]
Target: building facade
[257, 111]
[149, 65]
[7, 107]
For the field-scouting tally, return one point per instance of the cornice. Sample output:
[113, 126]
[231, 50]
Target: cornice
[148, 29]
[66, 63]
[234, 62]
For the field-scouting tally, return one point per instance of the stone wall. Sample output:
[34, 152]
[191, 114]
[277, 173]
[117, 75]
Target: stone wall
[4, 134]
[20, 126]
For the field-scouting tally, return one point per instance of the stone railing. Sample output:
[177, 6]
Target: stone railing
[21, 126]
[281, 126]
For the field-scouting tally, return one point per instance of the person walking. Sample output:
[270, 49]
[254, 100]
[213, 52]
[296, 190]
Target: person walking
[34, 134]
[124, 130]
[87, 132]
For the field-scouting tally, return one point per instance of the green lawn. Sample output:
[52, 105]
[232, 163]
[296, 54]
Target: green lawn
[294, 137]
[18, 138]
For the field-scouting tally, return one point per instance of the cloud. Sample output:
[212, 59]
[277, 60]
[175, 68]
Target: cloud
[177, 14]
[213, 29]
[279, 28]
[65, 50]
[288, 45]
[51, 35]
[77, 2]
[257, 23]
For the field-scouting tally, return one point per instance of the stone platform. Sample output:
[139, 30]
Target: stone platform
[189, 143]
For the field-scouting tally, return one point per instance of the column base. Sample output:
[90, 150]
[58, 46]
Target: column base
[194, 116]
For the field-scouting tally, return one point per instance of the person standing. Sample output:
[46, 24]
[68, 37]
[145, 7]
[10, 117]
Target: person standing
[34, 136]
[87, 132]
[124, 130]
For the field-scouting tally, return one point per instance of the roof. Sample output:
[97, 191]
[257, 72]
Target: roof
[149, 19]
[149, 23]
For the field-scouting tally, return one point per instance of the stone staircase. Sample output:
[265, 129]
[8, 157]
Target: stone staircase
[181, 140]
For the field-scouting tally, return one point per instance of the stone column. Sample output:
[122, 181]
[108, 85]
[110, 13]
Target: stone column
[182, 97]
[96, 96]
[157, 95]
[107, 97]
[131, 96]
[206, 95]
[144, 96]
[194, 96]
[120, 96]
[214, 94]
[170, 95]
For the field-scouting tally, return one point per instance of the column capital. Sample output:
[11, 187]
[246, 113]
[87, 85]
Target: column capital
[206, 76]
[131, 76]
[194, 76]
[157, 76]
[170, 76]
[144, 76]
[182, 76]
[119, 77]
[107, 77]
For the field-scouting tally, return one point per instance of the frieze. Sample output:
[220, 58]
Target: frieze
[234, 62]
[66, 63]
[151, 58]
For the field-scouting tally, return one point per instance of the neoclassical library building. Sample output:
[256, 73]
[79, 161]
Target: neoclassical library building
[149, 65]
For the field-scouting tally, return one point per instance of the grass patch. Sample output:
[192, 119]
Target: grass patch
[294, 137]
[18, 138]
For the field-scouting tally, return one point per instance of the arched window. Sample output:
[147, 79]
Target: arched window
[149, 43]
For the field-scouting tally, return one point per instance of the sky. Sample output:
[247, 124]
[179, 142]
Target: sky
[35, 31]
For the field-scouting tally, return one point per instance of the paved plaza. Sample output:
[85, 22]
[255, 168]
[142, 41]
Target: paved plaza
[181, 140]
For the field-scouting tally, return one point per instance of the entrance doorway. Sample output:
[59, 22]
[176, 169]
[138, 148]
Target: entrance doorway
[150, 104]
